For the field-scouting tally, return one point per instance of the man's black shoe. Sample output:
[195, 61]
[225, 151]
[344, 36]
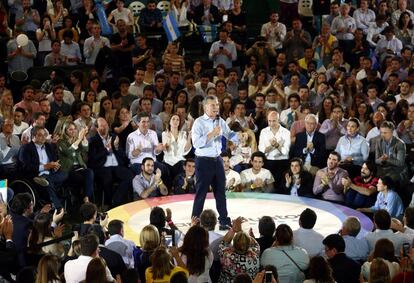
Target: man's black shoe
[224, 227]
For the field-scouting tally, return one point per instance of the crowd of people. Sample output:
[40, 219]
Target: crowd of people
[317, 107]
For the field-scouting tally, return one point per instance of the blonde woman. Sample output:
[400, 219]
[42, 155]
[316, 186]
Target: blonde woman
[149, 239]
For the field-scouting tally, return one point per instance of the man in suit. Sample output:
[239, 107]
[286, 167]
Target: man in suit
[109, 164]
[39, 161]
[390, 155]
[310, 145]
[206, 14]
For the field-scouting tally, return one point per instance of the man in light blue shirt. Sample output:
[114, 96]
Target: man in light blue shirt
[355, 248]
[382, 222]
[223, 51]
[207, 133]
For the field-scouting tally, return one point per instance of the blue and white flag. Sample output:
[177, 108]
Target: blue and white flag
[171, 27]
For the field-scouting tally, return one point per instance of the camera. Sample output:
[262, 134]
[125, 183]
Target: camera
[221, 47]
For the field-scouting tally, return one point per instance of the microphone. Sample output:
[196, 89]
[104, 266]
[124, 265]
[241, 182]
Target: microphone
[217, 120]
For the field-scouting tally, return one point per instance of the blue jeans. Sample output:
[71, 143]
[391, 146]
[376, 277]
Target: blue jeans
[356, 200]
[210, 171]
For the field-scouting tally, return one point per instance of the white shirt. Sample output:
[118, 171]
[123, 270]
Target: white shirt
[248, 176]
[27, 134]
[129, 256]
[147, 142]
[394, 44]
[342, 22]
[92, 46]
[410, 98]
[364, 18]
[231, 174]
[309, 240]
[17, 130]
[282, 136]
[136, 89]
[110, 158]
[374, 30]
[176, 151]
[75, 270]
[355, 248]
[275, 34]
[68, 97]
[121, 15]
[284, 115]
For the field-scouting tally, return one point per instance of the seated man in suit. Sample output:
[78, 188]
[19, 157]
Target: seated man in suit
[310, 146]
[38, 160]
[109, 165]
[390, 155]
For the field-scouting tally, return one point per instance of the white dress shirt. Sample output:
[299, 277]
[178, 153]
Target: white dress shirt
[364, 18]
[282, 136]
[147, 142]
[75, 270]
[275, 34]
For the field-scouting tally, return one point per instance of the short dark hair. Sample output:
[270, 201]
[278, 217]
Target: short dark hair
[26, 87]
[87, 211]
[123, 80]
[258, 154]
[178, 277]
[21, 202]
[293, 95]
[336, 154]
[188, 160]
[145, 160]
[382, 219]
[68, 33]
[335, 241]
[115, 226]
[141, 115]
[307, 218]
[21, 110]
[267, 226]
[89, 244]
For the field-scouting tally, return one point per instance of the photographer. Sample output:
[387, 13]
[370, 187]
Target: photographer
[91, 222]
[263, 51]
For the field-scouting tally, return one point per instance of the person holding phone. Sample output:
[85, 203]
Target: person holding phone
[223, 51]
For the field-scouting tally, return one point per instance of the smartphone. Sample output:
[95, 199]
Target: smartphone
[221, 47]
[225, 18]
[406, 249]
[268, 276]
[168, 241]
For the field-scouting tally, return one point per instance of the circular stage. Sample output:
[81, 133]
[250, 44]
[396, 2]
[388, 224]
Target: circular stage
[283, 208]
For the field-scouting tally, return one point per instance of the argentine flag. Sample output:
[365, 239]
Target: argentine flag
[171, 27]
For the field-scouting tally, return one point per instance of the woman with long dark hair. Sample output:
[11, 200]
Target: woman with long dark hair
[196, 254]
[42, 232]
[405, 31]
[325, 109]
[106, 110]
[123, 125]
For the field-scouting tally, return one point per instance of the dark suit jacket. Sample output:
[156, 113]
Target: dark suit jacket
[29, 158]
[306, 185]
[318, 158]
[113, 260]
[199, 13]
[345, 270]
[97, 153]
